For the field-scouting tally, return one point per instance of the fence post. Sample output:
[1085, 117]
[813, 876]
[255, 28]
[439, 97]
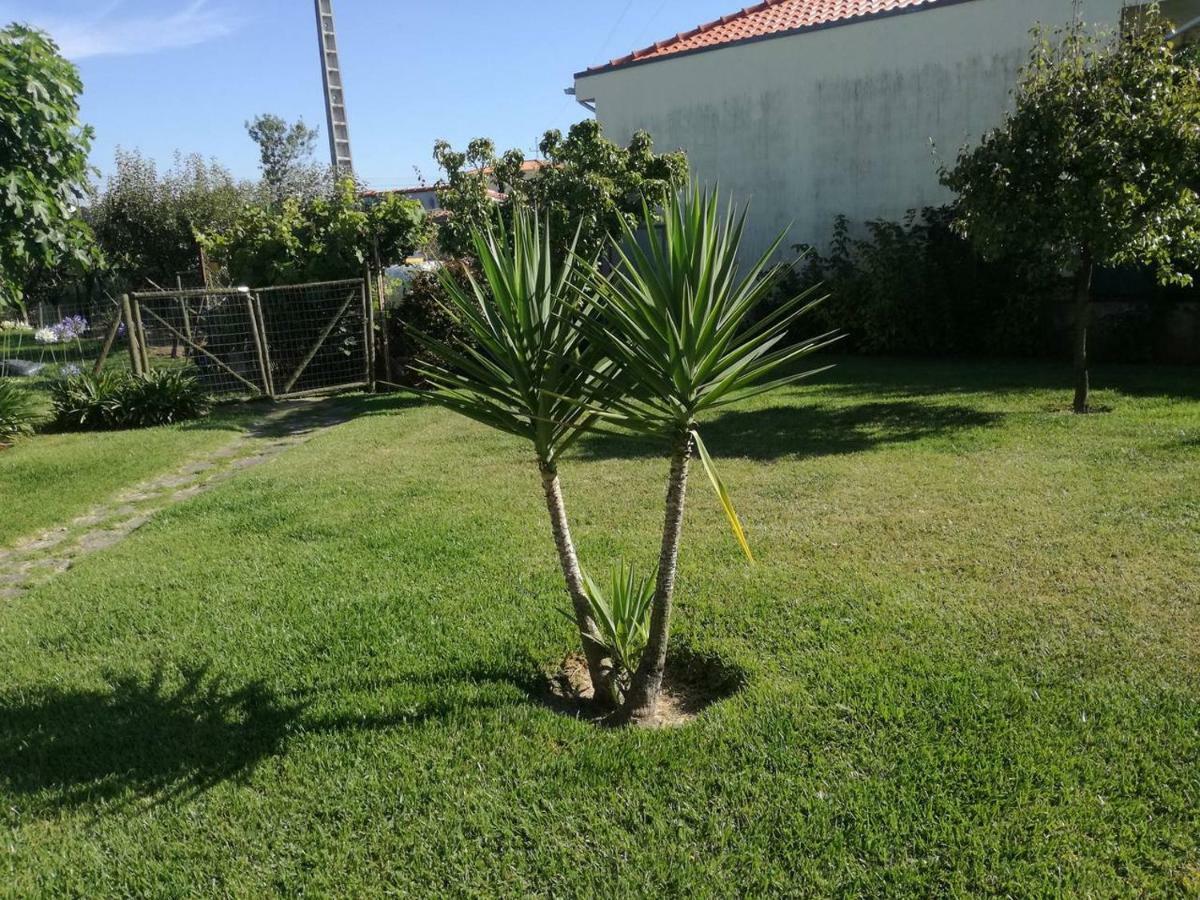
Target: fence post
[109, 339]
[266, 344]
[369, 325]
[259, 347]
[141, 330]
[135, 352]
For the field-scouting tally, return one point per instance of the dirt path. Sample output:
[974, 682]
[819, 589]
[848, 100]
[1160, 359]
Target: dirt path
[45, 555]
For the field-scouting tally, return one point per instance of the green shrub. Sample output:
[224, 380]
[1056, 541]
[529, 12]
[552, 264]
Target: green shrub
[423, 309]
[163, 398]
[18, 411]
[915, 287]
[118, 400]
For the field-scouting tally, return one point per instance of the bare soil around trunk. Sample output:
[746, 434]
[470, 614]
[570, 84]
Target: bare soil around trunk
[691, 685]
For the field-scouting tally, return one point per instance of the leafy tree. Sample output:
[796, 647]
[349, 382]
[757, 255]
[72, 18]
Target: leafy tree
[586, 183]
[676, 319]
[466, 191]
[43, 161]
[1098, 164]
[320, 239]
[147, 223]
[285, 154]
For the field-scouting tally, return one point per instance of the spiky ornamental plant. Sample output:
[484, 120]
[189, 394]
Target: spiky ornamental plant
[528, 358]
[675, 317]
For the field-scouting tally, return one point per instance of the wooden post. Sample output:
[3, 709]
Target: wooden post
[369, 327]
[109, 339]
[258, 344]
[266, 344]
[135, 352]
[141, 330]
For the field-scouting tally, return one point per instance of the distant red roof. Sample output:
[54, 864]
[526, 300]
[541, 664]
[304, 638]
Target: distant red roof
[769, 18]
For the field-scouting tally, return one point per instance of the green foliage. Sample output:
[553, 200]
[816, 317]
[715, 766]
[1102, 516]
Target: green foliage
[285, 154]
[320, 239]
[116, 399]
[623, 617]
[676, 317]
[423, 309]
[1099, 160]
[527, 370]
[147, 223]
[919, 287]
[586, 185]
[43, 161]
[19, 411]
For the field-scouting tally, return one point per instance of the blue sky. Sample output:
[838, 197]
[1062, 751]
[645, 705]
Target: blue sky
[167, 75]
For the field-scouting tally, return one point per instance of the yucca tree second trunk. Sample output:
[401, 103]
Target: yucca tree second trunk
[641, 703]
[600, 667]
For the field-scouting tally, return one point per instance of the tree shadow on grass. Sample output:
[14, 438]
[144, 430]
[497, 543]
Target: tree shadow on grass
[806, 431]
[149, 735]
[178, 734]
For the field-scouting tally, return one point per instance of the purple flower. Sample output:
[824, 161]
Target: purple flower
[71, 328]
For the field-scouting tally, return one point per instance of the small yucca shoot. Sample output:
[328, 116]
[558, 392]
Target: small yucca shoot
[622, 616]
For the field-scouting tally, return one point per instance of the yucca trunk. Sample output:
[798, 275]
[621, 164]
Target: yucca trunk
[642, 701]
[599, 665]
[1083, 297]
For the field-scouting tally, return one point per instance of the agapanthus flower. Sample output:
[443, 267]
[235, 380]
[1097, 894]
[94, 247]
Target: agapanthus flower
[46, 336]
[70, 370]
[71, 328]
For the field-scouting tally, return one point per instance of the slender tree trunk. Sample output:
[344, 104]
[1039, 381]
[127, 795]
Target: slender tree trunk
[1083, 311]
[642, 700]
[599, 666]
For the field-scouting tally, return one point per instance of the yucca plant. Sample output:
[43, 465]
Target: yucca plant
[675, 316]
[19, 412]
[522, 359]
[622, 615]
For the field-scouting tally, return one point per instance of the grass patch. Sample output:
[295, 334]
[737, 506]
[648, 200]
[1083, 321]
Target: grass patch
[971, 654]
[50, 478]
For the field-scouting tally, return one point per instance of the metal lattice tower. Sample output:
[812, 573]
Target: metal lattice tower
[335, 95]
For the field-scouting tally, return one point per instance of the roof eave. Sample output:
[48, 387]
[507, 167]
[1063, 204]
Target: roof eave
[620, 65]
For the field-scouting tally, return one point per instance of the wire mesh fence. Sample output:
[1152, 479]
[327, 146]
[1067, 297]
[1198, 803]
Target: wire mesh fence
[274, 342]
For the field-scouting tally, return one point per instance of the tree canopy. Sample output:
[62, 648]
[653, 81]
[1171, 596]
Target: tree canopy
[320, 239]
[1097, 165]
[147, 223]
[43, 161]
[584, 181]
[285, 155]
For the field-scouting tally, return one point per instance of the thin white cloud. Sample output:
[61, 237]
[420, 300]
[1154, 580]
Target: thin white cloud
[107, 32]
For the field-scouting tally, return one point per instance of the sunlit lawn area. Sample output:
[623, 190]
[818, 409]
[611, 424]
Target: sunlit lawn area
[52, 478]
[971, 655]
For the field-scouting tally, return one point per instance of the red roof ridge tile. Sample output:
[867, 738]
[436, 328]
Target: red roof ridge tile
[768, 18]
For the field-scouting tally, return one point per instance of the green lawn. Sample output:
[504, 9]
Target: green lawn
[51, 478]
[971, 650]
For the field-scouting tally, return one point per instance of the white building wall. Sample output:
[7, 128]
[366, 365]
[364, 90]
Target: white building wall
[838, 120]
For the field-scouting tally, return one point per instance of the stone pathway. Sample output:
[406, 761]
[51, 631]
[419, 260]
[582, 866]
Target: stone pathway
[42, 556]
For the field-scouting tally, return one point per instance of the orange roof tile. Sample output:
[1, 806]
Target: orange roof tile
[769, 18]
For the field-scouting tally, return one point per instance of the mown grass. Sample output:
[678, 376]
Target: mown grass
[971, 646]
[53, 477]
[50, 478]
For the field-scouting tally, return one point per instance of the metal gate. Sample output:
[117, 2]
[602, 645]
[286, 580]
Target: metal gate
[274, 342]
